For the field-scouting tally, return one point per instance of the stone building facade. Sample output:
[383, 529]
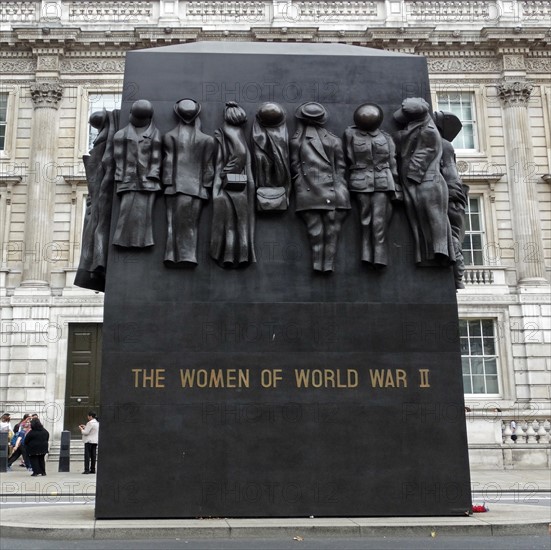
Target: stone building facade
[489, 61]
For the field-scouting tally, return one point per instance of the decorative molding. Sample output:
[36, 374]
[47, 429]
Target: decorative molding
[514, 93]
[6, 186]
[91, 11]
[333, 11]
[17, 66]
[246, 12]
[449, 10]
[537, 10]
[46, 94]
[99, 66]
[77, 301]
[513, 62]
[18, 11]
[538, 64]
[48, 63]
[475, 65]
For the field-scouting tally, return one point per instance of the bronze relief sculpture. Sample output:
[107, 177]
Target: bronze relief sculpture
[187, 176]
[449, 127]
[100, 170]
[318, 172]
[424, 188]
[233, 194]
[271, 155]
[137, 151]
[371, 157]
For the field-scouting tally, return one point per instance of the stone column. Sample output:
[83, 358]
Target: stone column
[527, 232]
[46, 96]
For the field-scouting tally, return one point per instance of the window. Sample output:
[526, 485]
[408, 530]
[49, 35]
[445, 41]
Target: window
[97, 102]
[461, 104]
[3, 119]
[478, 356]
[473, 245]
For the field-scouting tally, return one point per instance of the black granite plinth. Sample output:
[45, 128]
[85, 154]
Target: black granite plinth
[273, 390]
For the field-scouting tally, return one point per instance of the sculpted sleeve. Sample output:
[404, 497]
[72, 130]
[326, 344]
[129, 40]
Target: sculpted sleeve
[209, 158]
[155, 160]
[424, 154]
[168, 161]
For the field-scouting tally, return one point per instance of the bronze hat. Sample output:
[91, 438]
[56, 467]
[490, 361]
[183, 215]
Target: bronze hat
[187, 109]
[271, 114]
[312, 112]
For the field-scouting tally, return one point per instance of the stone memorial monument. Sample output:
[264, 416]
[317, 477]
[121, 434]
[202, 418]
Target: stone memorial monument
[282, 375]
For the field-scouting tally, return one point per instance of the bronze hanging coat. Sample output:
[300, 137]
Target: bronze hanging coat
[425, 191]
[233, 218]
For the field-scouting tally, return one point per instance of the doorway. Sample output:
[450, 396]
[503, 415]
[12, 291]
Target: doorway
[83, 374]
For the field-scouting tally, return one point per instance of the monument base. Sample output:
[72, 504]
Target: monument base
[272, 390]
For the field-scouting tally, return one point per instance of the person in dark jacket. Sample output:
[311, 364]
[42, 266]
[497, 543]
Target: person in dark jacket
[137, 151]
[371, 156]
[36, 443]
[187, 175]
[321, 193]
[425, 190]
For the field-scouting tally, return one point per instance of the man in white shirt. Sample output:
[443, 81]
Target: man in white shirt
[90, 433]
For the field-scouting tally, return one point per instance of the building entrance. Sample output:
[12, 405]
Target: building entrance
[83, 371]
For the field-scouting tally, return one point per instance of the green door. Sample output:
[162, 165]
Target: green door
[83, 371]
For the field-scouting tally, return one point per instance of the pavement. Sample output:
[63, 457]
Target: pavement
[62, 506]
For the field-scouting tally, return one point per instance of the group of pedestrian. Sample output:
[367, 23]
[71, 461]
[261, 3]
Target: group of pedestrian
[28, 441]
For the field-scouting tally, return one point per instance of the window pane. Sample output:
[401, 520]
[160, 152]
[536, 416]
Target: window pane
[475, 223]
[478, 258]
[3, 115]
[474, 328]
[476, 242]
[461, 104]
[476, 346]
[97, 102]
[3, 106]
[490, 366]
[478, 384]
[462, 327]
[489, 348]
[479, 363]
[473, 243]
[491, 384]
[487, 327]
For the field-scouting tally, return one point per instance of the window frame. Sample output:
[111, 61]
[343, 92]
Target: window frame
[12, 104]
[473, 120]
[504, 351]
[85, 93]
[482, 232]
[478, 92]
[495, 355]
[484, 190]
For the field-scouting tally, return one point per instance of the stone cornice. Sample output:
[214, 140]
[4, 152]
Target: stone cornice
[488, 41]
[46, 94]
[515, 92]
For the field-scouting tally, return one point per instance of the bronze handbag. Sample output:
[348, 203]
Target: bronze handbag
[271, 199]
[234, 182]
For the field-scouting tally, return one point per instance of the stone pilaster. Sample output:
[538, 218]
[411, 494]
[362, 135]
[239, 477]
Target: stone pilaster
[39, 249]
[527, 232]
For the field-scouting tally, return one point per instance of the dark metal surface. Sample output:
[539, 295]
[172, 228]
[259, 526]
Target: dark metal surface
[345, 448]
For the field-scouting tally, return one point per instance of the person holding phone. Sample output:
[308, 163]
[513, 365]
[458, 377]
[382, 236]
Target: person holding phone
[90, 433]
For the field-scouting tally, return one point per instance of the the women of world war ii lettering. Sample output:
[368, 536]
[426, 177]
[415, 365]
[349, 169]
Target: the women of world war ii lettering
[281, 283]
